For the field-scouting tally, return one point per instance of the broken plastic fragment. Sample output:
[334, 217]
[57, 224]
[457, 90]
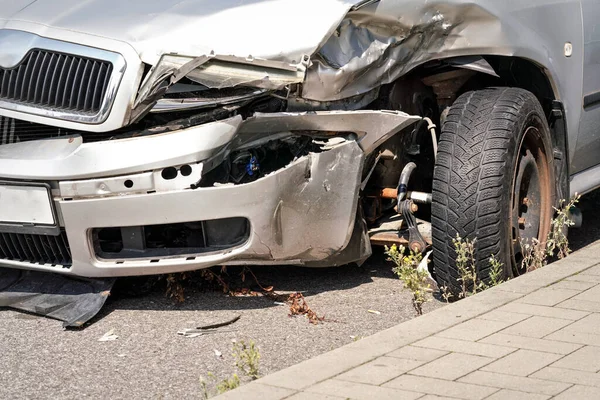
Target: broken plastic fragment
[108, 336]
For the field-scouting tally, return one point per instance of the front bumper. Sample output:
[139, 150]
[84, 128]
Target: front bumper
[301, 214]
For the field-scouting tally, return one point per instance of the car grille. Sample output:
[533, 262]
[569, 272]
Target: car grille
[36, 249]
[58, 81]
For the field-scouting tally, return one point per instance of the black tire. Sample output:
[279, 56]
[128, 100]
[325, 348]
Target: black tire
[489, 139]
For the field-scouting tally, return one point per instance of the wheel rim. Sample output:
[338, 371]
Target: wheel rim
[531, 208]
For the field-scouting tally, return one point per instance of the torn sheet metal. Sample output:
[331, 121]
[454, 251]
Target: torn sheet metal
[381, 42]
[74, 301]
[371, 127]
[214, 72]
[371, 48]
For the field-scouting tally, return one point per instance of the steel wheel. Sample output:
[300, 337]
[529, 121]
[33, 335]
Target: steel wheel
[531, 196]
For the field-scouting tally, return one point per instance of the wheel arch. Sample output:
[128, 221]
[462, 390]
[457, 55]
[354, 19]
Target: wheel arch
[504, 71]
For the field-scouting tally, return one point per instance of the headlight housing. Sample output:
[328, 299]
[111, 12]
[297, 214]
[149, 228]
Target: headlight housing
[215, 72]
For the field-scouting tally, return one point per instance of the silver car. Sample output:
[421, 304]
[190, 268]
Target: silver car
[156, 136]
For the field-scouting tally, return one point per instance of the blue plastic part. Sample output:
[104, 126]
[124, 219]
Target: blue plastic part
[252, 167]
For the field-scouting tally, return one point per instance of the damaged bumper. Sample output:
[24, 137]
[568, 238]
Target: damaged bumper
[141, 205]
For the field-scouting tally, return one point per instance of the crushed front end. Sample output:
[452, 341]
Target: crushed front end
[113, 167]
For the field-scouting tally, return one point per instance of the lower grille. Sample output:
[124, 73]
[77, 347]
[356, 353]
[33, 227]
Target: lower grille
[36, 249]
[170, 240]
[16, 131]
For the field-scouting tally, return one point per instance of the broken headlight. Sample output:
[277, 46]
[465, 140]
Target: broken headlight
[215, 72]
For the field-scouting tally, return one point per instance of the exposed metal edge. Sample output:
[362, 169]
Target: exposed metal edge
[169, 105]
[373, 128]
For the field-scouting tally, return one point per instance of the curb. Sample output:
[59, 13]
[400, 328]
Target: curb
[293, 380]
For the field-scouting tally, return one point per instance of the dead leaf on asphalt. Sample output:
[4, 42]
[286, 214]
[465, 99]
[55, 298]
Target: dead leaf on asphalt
[299, 306]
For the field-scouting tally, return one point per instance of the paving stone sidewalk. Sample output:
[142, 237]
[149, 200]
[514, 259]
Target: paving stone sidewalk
[535, 337]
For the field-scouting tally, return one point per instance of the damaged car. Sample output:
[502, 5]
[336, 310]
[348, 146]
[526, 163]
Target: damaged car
[158, 136]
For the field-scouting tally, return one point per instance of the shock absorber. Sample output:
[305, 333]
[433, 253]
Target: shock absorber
[407, 208]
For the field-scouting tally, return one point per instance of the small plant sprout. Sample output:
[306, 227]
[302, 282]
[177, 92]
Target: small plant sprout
[557, 242]
[224, 386]
[204, 395]
[534, 255]
[465, 262]
[415, 280]
[228, 384]
[446, 294]
[496, 271]
[247, 358]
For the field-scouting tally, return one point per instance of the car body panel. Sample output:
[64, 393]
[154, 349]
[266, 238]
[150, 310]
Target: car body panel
[587, 146]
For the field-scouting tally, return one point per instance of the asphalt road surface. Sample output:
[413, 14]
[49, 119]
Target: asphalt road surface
[150, 360]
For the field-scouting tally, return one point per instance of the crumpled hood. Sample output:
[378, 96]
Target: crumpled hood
[272, 29]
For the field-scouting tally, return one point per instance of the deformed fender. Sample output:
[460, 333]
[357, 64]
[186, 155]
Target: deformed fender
[316, 219]
[383, 41]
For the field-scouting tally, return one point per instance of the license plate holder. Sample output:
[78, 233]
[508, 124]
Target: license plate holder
[27, 208]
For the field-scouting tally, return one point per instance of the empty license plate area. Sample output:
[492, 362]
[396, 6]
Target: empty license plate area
[26, 208]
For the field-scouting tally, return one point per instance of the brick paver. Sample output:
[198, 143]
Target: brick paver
[521, 342]
[452, 366]
[380, 370]
[417, 353]
[474, 329]
[549, 296]
[441, 387]
[516, 395]
[580, 392]
[543, 311]
[533, 338]
[585, 359]
[568, 376]
[465, 347]
[511, 382]
[537, 327]
[522, 362]
[361, 391]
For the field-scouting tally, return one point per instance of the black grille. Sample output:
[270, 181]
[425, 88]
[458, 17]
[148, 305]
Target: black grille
[36, 249]
[57, 81]
[16, 131]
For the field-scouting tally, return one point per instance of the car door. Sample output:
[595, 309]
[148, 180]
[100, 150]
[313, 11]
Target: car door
[588, 140]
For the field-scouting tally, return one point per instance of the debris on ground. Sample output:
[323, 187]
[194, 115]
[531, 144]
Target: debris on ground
[75, 301]
[299, 306]
[176, 284]
[209, 329]
[175, 289]
[374, 312]
[194, 333]
[221, 324]
[108, 336]
[218, 354]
